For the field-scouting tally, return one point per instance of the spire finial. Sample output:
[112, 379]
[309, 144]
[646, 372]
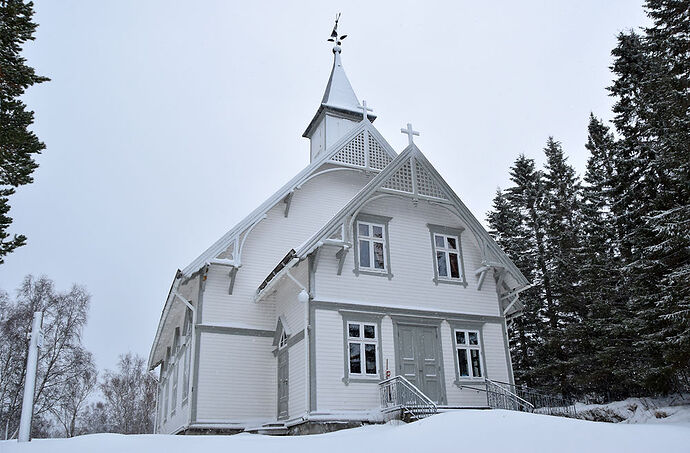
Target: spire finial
[337, 40]
[410, 133]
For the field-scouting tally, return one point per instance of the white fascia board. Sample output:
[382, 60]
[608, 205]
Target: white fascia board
[161, 323]
[228, 237]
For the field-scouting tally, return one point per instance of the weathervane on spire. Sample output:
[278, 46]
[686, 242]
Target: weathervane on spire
[334, 34]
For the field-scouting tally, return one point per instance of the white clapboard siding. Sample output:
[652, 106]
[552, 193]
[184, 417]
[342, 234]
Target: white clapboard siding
[177, 416]
[237, 379]
[286, 302]
[411, 261]
[312, 206]
[388, 346]
[297, 399]
[331, 392]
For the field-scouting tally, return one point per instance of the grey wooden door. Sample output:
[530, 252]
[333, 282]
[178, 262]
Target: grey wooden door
[419, 358]
[283, 383]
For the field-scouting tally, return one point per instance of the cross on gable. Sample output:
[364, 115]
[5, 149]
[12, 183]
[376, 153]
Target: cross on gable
[365, 109]
[410, 133]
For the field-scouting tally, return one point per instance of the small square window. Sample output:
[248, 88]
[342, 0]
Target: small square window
[363, 229]
[378, 231]
[460, 337]
[353, 330]
[473, 337]
[440, 241]
[369, 331]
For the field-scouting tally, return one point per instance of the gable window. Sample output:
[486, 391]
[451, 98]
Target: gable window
[372, 246]
[283, 340]
[372, 254]
[468, 350]
[447, 253]
[362, 343]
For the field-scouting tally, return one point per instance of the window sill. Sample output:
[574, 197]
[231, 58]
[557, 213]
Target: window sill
[374, 273]
[359, 379]
[464, 381]
[448, 281]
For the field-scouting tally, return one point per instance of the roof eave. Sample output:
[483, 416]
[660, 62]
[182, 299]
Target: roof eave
[338, 111]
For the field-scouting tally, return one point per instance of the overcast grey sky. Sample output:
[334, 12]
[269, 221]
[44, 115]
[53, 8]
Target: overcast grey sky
[166, 122]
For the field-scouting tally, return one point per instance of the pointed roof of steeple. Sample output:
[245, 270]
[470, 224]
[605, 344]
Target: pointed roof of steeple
[339, 96]
[339, 93]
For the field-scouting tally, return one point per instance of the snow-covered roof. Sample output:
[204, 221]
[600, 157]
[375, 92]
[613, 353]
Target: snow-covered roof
[339, 92]
[227, 239]
[338, 96]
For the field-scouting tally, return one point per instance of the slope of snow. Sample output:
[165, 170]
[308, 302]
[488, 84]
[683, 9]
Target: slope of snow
[670, 409]
[467, 430]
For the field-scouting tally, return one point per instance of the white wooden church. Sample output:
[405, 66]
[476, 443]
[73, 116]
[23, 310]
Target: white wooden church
[363, 277]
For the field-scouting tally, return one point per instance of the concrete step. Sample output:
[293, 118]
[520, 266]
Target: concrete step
[270, 429]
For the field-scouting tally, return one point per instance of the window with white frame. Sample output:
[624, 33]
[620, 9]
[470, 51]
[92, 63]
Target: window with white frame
[362, 340]
[468, 350]
[447, 256]
[283, 340]
[371, 246]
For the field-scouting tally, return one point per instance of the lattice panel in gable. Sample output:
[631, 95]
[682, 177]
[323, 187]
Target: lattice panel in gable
[401, 180]
[426, 184]
[378, 157]
[353, 152]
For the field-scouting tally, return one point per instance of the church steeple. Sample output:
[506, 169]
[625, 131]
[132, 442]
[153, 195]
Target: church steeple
[340, 109]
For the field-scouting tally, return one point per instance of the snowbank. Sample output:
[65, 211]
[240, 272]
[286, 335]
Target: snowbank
[468, 430]
[670, 409]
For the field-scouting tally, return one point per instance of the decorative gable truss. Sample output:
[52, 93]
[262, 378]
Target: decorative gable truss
[411, 175]
[364, 151]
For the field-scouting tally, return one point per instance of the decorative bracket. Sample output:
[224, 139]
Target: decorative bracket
[288, 200]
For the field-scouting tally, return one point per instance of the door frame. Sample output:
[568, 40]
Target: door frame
[285, 353]
[421, 322]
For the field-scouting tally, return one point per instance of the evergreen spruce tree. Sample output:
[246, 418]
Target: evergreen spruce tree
[665, 236]
[527, 197]
[560, 213]
[18, 144]
[508, 228]
[605, 355]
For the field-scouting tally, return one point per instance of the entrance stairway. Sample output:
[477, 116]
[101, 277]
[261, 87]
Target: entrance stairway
[399, 394]
[274, 429]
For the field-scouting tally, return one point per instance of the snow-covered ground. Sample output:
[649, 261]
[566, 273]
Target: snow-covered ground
[670, 409]
[477, 431]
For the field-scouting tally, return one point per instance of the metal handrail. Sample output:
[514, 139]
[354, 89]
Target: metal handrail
[543, 402]
[399, 393]
[499, 397]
